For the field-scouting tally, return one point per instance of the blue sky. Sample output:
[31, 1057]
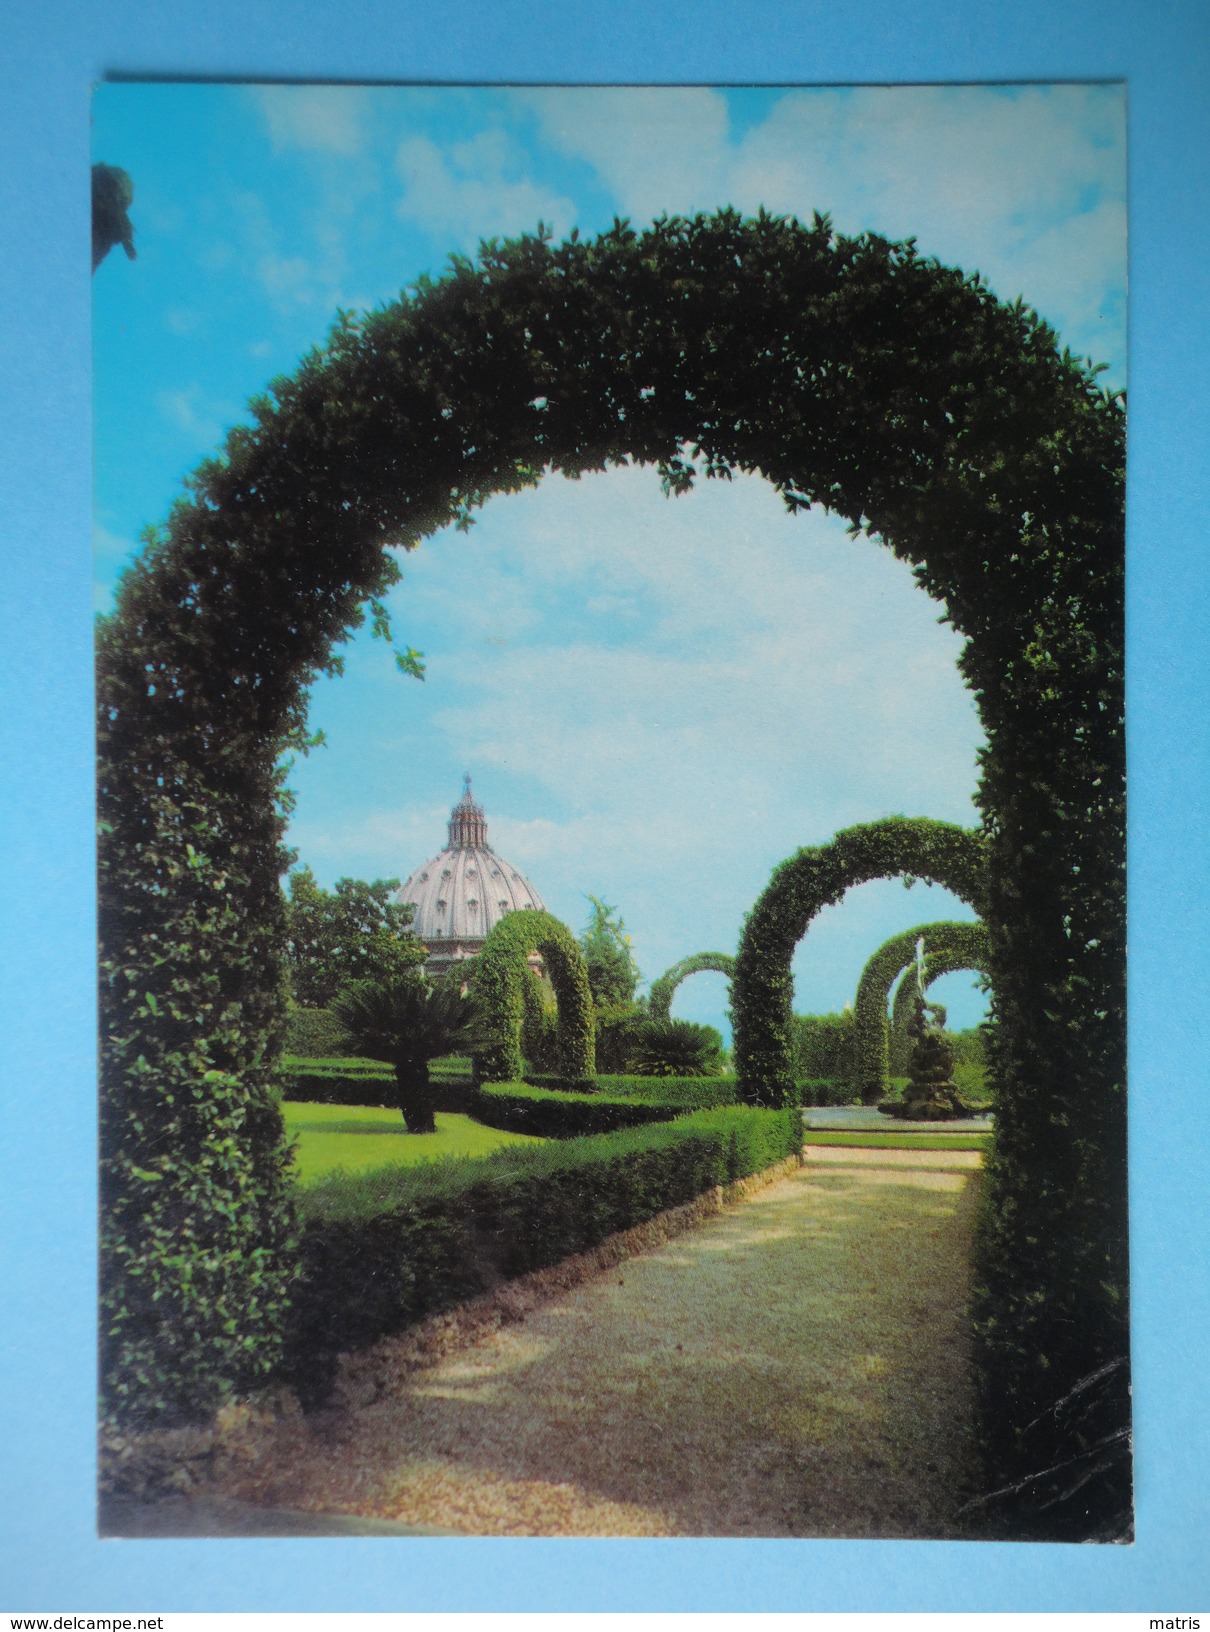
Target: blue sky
[658, 700]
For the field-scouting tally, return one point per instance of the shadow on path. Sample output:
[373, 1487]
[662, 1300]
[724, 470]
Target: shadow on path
[798, 1366]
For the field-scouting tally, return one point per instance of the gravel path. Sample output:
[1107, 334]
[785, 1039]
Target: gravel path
[797, 1366]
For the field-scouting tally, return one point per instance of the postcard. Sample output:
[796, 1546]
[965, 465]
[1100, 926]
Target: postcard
[566, 559]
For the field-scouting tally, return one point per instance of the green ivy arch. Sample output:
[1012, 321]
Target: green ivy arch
[871, 1050]
[502, 984]
[851, 373]
[763, 986]
[664, 989]
[936, 964]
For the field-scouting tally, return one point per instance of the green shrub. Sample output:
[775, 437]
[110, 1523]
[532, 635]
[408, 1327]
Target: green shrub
[324, 1082]
[817, 876]
[825, 1091]
[502, 983]
[822, 1047]
[617, 1033]
[664, 989]
[316, 1034]
[961, 944]
[675, 1048]
[694, 1092]
[380, 1250]
[556, 1113]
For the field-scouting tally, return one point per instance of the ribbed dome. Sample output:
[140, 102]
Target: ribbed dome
[461, 894]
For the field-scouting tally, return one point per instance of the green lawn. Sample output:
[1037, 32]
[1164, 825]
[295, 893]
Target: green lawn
[898, 1141]
[354, 1138]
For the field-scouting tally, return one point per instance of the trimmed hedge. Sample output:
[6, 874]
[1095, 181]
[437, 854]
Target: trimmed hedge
[664, 989]
[503, 983]
[763, 986]
[560, 1114]
[338, 1082]
[825, 1091]
[316, 1034]
[822, 1047]
[381, 1250]
[357, 1081]
[871, 1038]
[687, 1091]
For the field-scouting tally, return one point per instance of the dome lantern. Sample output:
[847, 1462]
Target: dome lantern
[468, 824]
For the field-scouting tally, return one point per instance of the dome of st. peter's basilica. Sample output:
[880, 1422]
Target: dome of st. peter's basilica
[461, 894]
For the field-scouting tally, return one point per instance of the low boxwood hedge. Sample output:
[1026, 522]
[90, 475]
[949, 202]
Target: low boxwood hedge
[381, 1250]
[552, 1113]
[558, 1113]
[693, 1093]
[699, 1092]
[351, 1081]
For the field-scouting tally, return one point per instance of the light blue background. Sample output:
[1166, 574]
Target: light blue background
[49, 56]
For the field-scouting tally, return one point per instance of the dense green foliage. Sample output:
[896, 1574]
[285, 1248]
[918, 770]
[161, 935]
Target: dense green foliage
[383, 1249]
[852, 373]
[613, 976]
[501, 982]
[821, 1048]
[617, 1035]
[675, 1048]
[612, 972]
[338, 1082]
[871, 1039]
[400, 1015]
[824, 1091]
[315, 1034]
[685, 1092]
[330, 933]
[762, 989]
[560, 1114]
[664, 989]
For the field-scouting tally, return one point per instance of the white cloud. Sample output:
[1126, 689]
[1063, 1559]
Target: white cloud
[475, 189]
[657, 148]
[189, 411]
[320, 118]
[686, 691]
[1026, 185]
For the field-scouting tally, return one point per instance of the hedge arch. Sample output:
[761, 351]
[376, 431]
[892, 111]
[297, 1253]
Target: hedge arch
[763, 988]
[851, 373]
[871, 1039]
[501, 983]
[664, 989]
[936, 964]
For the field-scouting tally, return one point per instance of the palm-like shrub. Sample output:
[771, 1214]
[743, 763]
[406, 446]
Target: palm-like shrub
[675, 1048]
[399, 1015]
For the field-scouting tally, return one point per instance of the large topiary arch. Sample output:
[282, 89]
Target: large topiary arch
[871, 1051]
[763, 987]
[664, 989]
[500, 982]
[851, 373]
[936, 964]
